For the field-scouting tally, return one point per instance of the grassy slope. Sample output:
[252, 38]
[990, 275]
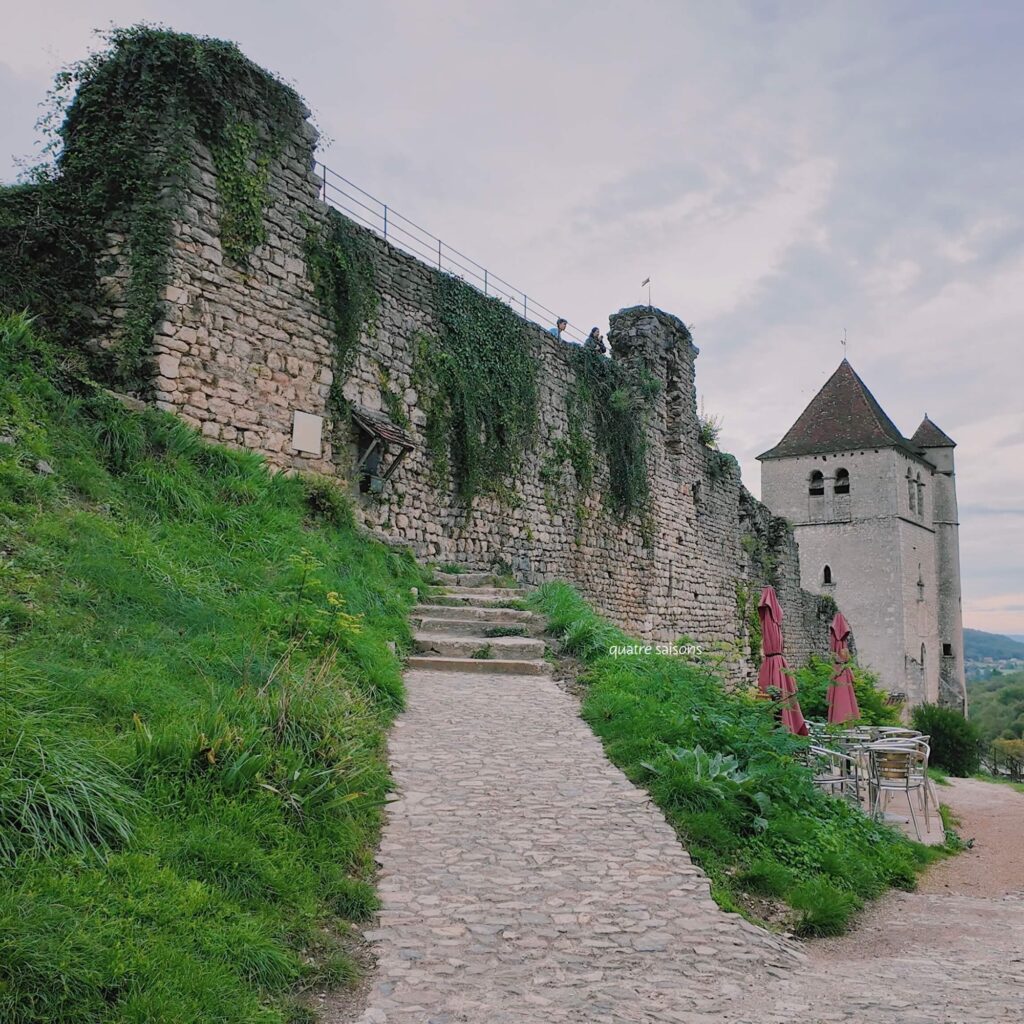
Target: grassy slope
[195, 683]
[729, 783]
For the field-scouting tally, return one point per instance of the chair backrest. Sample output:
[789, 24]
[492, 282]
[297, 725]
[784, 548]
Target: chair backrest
[890, 762]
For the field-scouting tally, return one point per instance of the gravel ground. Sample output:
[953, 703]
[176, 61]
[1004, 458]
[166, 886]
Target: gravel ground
[993, 816]
[950, 953]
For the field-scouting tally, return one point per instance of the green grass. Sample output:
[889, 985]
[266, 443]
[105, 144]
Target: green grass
[495, 631]
[982, 777]
[195, 686]
[729, 780]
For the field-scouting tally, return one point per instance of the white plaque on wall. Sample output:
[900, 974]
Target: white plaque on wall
[307, 433]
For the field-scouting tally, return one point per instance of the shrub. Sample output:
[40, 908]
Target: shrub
[813, 680]
[326, 501]
[954, 740]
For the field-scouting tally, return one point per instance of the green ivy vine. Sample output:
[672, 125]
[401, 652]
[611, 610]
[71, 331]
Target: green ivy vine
[243, 174]
[122, 123]
[618, 397]
[746, 609]
[340, 266]
[479, 387]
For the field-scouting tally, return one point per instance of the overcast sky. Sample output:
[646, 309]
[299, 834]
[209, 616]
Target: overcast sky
[782, 171]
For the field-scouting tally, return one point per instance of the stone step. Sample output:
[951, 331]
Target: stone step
[470, 597]
[464, 579]
[487, 613]
[503, 593]
[470, 627]
[479, 666]
[501, 647]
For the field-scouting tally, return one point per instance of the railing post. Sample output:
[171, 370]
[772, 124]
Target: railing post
[439, 254]
[324, 166]
[485, 282]
[385, 222]
[526, 315]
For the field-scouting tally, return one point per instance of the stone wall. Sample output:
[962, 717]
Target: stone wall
[242, 349]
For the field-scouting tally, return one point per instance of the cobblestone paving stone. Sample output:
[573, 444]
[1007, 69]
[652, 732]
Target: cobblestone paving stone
[525, 879]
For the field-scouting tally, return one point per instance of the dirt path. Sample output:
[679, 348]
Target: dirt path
[952, 952]
[993, 816]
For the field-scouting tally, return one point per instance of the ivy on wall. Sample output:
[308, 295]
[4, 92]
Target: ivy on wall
[242, 178]
[618, 397]
[479, 386]
[746, 609]
[340, 267]
[122, 123]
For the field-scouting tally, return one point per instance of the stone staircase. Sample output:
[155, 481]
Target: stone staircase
[466, 625]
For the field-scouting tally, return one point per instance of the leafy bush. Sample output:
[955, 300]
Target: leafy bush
[192, 714]
[997, 705]
[813, 681]
[728, 779]
[954, 740]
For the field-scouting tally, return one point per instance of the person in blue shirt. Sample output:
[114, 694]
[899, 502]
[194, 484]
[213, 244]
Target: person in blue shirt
[560, 325]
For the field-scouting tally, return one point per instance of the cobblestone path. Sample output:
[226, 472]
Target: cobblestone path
[524, 879]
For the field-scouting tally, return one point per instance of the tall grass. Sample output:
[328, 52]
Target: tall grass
[195, 686]
[729, 780]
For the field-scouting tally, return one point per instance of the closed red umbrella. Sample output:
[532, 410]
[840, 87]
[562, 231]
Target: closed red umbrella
[842, 701]
[774, 673]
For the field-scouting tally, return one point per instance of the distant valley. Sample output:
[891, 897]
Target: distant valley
[985, 653]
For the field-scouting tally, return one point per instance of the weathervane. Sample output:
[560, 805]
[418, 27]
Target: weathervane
[843, 342]
[647, 281]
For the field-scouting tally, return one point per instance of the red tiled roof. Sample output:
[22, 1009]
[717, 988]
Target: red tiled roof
[930, 436]
[842, 416]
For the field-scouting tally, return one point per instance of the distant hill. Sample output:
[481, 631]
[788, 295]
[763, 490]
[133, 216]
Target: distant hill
[979, 645]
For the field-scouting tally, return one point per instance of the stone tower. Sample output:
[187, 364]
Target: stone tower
[874, 514]
[937, 447]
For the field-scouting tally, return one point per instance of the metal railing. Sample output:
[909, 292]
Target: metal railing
[397, 229]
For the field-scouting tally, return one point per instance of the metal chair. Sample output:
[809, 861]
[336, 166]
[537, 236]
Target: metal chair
[833, 769]
[921, 746]
[895, 768]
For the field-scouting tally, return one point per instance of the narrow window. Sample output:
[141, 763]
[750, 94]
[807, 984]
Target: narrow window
[947, 650]
[922, 655]
[842, 485]
[911, 492]
[920, 496]
[817, 485]
[826, 576]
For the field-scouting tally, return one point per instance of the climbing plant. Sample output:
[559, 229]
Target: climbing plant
[619, 397]
[747, 597]
[121, 124]
[479, 385]
[242, 178]
[340, 267]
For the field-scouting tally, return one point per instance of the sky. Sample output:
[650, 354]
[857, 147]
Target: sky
[782, 171]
